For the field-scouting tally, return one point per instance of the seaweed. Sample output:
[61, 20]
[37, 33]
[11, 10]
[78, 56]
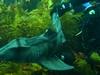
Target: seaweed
[11, 68]
[18, 22]
[71, 25]
[83, 66]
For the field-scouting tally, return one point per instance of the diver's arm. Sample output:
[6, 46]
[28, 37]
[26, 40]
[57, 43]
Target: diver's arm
[61, 9]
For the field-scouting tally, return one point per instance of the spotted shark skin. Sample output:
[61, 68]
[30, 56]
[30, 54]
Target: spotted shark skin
[39, 49]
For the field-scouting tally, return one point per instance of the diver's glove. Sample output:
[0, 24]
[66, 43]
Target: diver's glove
[61, 9]
[67, 58]
[89, 11]
[93, 11]
[93, 58]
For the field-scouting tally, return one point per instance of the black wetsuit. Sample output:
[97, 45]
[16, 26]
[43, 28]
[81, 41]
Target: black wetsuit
[91, 29]
[61, 9]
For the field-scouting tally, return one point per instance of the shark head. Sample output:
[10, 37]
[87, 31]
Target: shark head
[41, 49]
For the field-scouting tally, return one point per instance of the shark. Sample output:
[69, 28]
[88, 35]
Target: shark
[40, 49]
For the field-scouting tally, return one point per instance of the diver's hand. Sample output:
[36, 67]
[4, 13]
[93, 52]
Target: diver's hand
[93, 11]
[61, 9]
[89, 11]
[67, 58]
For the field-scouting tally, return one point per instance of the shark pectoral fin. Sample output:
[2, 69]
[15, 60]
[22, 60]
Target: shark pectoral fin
[55, 63]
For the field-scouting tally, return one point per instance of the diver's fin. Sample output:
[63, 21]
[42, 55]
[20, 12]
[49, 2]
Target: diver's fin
[55, 63]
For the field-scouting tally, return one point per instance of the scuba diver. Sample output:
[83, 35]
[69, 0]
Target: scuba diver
[90, 32]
